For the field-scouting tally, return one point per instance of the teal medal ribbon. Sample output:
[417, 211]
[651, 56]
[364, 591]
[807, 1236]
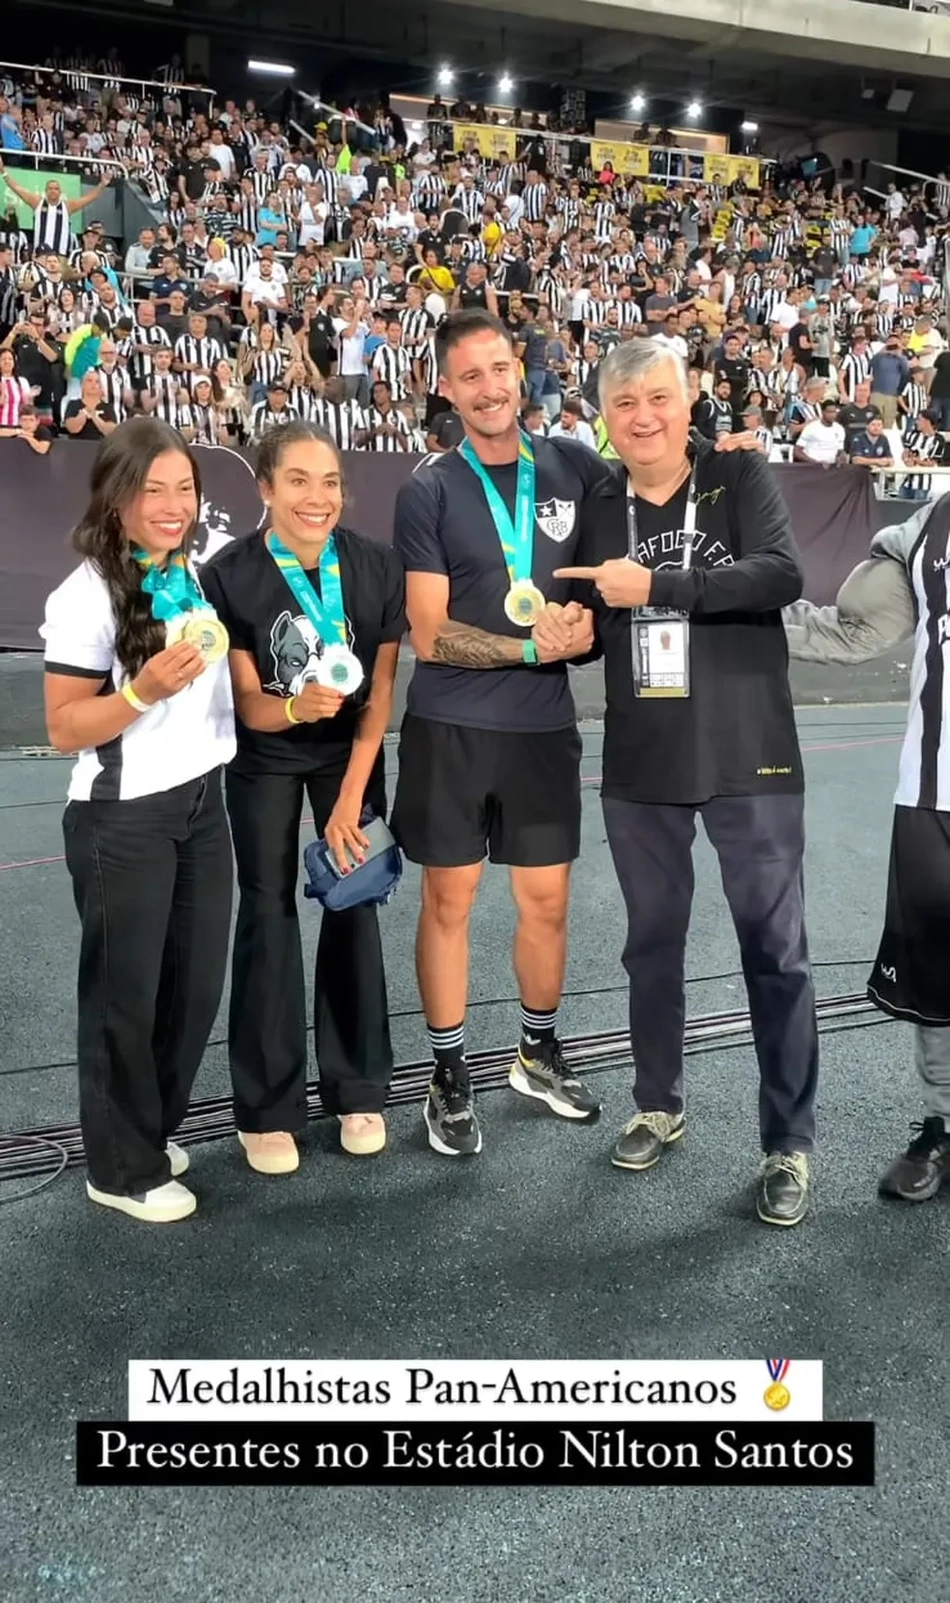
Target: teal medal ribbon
[177, 602]
[338, 668]
[172, 590]
[524, 601]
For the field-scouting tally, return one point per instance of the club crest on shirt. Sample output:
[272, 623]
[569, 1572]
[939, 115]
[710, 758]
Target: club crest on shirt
[296, 648]
[555, 519]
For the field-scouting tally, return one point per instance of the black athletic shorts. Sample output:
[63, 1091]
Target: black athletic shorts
[911, 977]
[462, 792]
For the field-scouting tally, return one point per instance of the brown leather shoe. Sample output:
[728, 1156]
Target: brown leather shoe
[270, 1151]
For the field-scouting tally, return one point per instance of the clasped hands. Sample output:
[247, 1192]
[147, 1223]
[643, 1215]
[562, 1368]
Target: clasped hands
[563, 632]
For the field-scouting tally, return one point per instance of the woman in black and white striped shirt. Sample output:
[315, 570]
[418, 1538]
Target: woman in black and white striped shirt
[262, 361]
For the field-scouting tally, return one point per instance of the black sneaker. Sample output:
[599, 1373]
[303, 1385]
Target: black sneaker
[449, 1113]
[541, 1072]
[782, 1189]
[919, 1173]
[643, 1139]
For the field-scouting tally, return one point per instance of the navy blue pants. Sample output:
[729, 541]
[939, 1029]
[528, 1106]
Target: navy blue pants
[760, 843]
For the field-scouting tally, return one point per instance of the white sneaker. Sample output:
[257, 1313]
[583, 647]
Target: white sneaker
[178, 1158]
[164, 1205]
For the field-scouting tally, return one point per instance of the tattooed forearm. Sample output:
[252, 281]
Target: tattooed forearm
[464, 646]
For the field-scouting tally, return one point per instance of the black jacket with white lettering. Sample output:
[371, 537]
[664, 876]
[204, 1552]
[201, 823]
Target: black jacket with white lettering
[734, 735]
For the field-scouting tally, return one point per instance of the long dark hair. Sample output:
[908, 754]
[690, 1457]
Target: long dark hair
[119, 473]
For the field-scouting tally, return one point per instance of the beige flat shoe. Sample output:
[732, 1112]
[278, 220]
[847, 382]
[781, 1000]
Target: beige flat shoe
[362, 1133]
[270, 1151]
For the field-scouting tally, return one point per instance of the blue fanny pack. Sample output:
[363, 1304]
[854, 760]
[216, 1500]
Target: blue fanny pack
[369, 883]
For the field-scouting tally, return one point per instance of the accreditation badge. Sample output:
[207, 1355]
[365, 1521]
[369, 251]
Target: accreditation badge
[339, 669]
[661, 655]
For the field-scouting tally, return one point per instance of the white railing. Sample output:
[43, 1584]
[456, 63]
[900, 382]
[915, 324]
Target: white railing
[79, 75]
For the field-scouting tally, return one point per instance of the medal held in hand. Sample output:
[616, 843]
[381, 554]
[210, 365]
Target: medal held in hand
[338, 668]
[524, 602]
[207, 632]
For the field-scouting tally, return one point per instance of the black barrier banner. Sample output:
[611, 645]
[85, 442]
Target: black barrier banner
[834, 514]
[553, 1453]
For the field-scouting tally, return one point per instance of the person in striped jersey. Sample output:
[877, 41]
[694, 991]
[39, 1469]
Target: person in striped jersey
[902, 592]
[922, 445]
[385, 427]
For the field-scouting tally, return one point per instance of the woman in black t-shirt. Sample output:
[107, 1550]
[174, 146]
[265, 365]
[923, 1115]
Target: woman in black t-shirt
[304, 591]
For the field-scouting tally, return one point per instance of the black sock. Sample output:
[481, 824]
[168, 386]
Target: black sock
[537, 1029]
[448, 1052]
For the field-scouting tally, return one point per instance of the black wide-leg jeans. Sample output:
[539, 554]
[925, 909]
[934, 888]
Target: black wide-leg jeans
[152, 882]
[268, 1024]
[760, 842]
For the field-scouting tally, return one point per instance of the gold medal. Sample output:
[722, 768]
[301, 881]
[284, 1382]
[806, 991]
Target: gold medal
[777, 1396]
[208, 633]
[524, 604]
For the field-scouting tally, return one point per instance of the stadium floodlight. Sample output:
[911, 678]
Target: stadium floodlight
[505, 84]
[694, 109]
[749, 128]
[638, 102]
[272, 69]
[446, 76]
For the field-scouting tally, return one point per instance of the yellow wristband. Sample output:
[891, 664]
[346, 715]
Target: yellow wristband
[134, 700]
[289, 710]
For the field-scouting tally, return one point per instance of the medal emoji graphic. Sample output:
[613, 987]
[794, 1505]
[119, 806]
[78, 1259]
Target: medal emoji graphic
[777, 1396]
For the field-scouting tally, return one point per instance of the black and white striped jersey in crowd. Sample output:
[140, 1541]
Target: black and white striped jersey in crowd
[415, 323]
[534, 200]
[268, 365]
[46, 142]
[113, 386]
[203, 354]
[428, 191]
[629, 313]
[342, 420]
[9, 295]
[914, 397]
[261, 182]
[572, 211]
[392, 365]
[430, 367]
[386, 441]
[771, 298]
[473, 250]
[604, 213]
[930, 446]
[330, 179]
[52, 228]
[303, 401]
[263, 417]
[245, 213]
[163, 390]
[202, 419]
[470, 202]
[854, 369]
[243, 259]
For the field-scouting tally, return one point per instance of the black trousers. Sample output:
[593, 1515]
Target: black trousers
[760, 843]
[268, 1023]
[152, 882]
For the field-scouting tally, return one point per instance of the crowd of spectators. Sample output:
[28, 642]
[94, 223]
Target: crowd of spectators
[291, 274]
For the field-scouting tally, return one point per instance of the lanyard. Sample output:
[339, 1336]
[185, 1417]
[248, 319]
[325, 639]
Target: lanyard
[688, 529]
[172, 590]
[326, 614]
[517, 538]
